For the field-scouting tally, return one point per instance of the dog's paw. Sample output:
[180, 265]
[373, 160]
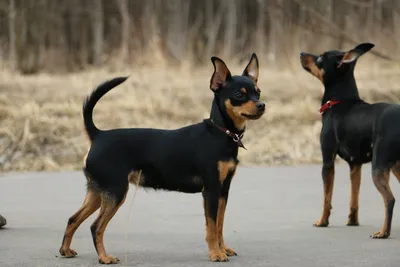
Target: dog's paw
[228, 251]
[68, 253]
[321, 223]
[380, 235]
[108, 259]
[218, 256]
[351, 222]
[353, 218]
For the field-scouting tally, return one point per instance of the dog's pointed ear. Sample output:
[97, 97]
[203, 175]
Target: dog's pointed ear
[251, 69]
[355, 53]
[221, 74]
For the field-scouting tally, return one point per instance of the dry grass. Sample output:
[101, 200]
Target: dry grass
[41, 125]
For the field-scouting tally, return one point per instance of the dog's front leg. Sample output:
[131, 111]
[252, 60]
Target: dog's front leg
[328, 149]
[328, 176]
[355, 176]
[211, 203]
[223, 200]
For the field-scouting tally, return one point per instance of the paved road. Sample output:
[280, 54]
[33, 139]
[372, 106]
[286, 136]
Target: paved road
[268, 222]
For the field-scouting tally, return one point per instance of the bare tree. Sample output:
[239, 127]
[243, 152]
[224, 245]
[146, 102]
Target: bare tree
[98, 31]
[12, 35]
[59, 35]
[260, 32]
[123, 9]
[275, 15]
[178, 28]
[230, 28]
[213, 25]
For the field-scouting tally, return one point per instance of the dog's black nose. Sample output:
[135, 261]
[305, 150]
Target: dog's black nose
[302, 54]
[260, 106]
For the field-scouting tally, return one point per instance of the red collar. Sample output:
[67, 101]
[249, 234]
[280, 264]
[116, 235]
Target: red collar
[328, 105]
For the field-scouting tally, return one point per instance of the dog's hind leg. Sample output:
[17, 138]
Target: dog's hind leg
[355, 176]
[381, 174]
[396, 170]
[381, 181]
[111, 201]
[89, 206]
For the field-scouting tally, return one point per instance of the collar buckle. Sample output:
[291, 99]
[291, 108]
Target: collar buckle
[237, 138]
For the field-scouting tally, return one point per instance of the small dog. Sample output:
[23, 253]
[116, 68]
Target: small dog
[357, 131]
[198, 158]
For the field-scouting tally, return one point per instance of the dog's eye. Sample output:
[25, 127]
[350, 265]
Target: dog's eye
[258, 94]
[319, 60]
[239, 95]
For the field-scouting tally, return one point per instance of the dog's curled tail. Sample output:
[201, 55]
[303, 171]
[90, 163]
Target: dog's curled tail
[91, 101]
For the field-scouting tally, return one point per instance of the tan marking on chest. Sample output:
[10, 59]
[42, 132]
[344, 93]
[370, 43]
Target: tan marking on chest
[224, 168]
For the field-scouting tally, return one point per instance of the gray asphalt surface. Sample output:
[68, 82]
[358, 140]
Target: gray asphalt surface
[268, 222]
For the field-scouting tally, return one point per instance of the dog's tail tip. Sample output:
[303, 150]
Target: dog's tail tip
[91, 101]
[121, 79]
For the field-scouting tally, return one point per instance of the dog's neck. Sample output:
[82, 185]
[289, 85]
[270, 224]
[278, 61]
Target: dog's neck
[221, 118]
[342, 89]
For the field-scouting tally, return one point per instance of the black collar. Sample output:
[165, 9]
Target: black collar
[237, 138]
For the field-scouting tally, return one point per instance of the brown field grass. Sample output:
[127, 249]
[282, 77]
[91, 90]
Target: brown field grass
[41, 123]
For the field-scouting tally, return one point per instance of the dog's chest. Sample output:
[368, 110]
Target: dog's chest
[356, 151]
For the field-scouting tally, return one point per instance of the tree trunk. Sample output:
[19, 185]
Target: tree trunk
[98, 31]
[125, 31]
[230, 28]
[12, 36]
[260, 31]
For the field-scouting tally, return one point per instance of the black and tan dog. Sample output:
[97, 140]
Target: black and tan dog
[357, 131]
[197, 158]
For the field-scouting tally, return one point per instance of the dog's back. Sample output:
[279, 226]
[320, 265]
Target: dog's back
[168, 159]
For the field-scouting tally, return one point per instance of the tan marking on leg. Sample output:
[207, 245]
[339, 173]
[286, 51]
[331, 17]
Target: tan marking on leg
[89, 206]
[381, 181]
[224, 168]
[108, 210]
[396, 170]
[213, 242]
[220, 225]
[327, 205]
[355, 176]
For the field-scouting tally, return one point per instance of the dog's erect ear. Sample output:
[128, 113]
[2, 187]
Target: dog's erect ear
[355, 53]
[251, 69]
[221, 74]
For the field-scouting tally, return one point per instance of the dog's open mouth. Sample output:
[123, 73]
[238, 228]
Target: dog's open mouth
[252, 116]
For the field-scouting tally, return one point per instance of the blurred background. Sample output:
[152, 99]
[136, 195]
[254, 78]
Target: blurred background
[54, 52]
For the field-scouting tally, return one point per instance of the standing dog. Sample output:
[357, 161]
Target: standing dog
[197, 158]
[357, 131]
